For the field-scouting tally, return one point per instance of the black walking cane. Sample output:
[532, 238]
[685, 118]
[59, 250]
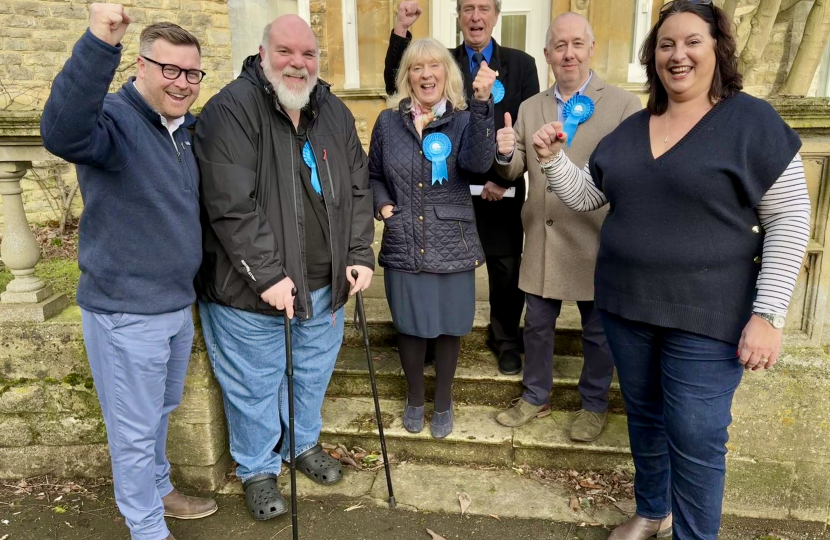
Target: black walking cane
[361, 313]
[289, 371]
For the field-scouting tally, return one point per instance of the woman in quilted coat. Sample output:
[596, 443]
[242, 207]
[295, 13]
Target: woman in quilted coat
[422, 150]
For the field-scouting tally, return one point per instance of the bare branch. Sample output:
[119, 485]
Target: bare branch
[808, 57]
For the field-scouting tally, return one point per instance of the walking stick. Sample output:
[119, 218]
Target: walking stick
[289, 371]
[362, 315]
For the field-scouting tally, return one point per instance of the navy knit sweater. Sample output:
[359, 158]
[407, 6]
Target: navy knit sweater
[680, 247]
[140, 237]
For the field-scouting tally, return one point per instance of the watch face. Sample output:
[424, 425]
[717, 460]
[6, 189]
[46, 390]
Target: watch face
[778, 321]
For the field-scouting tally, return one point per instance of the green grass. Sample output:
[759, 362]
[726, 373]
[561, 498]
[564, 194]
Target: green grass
[61, 274]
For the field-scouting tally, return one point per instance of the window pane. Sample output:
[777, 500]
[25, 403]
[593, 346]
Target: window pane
[514, 31]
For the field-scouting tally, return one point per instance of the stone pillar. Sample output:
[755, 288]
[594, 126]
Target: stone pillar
[27, 297]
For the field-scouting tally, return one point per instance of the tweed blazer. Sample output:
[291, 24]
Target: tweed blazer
[561, 245]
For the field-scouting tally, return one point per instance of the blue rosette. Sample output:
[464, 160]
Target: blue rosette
[437, 148]
[497, 91]
[578, 109]
[308, 157]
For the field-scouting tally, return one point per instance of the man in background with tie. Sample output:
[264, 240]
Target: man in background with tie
[498, 218]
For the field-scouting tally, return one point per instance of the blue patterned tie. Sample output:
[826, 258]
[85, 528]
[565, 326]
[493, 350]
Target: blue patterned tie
[477, 59]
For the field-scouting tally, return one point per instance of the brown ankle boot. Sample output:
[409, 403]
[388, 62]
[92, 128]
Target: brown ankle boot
[181, 506]
[640, 528]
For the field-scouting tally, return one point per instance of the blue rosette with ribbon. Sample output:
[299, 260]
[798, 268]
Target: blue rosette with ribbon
[578, 109]
[308, 157]
[437, 148]
[497, 91]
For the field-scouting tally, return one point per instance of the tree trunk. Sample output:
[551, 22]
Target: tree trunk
[810, 50]
[729, 8]
[759, 36]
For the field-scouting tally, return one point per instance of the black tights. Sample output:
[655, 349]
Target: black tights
[413, 353]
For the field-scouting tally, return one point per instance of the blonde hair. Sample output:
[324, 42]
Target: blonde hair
[421, 51]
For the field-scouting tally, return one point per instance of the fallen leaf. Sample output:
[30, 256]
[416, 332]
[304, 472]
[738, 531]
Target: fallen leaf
[5, 537]
[355, 507]
[465, 501]
[494, 516]
[435, 536]
[59, 510]
[574, 504]
[335, 455]
[58, 498]
[4, 521]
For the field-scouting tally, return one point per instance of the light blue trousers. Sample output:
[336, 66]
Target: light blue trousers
[247, 351]
[139, 363]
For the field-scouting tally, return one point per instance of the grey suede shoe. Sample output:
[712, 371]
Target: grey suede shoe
[640, 528]
[413, 418]
[441, 424]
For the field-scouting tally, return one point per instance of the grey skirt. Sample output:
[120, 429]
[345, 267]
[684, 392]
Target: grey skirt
[430, 305]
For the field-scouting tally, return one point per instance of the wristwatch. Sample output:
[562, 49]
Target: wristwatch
[775, 319]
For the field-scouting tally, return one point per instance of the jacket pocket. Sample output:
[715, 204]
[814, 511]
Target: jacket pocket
[455, 212]
[452, 227]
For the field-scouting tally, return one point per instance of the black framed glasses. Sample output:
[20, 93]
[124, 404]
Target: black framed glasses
[667, 5]
[172, 72]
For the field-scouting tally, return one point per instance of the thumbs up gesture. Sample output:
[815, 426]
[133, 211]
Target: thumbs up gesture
[483, 83]
[506, 137]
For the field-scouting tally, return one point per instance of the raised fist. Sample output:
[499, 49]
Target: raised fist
[108, 22]
[483, 83]
[548, 140]
[408, 13]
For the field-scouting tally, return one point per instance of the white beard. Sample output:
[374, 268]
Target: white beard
[293, 100]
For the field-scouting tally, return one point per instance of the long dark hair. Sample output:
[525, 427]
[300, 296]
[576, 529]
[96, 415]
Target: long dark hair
[727, 80]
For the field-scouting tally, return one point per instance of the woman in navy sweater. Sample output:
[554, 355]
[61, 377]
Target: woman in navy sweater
[708, 223]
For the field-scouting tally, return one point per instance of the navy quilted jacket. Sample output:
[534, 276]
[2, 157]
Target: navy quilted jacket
[433, 227]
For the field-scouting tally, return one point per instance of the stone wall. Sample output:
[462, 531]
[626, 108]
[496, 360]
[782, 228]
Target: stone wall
[51, 421]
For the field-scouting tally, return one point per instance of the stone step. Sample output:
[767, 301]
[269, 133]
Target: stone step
[382, 332]
[477, 379]
[477, 438]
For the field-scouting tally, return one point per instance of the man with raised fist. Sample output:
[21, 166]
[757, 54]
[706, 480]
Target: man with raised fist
[139, 246]
[560, 244]
[498, 218]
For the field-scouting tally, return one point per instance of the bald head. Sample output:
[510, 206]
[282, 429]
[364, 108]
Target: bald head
[569, 21]
[291, 25]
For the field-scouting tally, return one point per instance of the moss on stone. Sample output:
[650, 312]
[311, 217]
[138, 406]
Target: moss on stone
[61, 274]
[74, 379]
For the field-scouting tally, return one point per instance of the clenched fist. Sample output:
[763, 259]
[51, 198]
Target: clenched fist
[483, 83]
[108, 22]
[506, 137]
[548, 140]
[408, 13]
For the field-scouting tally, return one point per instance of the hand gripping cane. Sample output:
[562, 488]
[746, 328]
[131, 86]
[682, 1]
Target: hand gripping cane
[362, 316]
[289, 371]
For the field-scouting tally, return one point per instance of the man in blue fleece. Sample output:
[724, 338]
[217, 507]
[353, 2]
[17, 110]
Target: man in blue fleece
[139, 246]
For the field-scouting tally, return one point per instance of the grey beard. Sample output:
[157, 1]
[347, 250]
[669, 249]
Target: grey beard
[287, 98]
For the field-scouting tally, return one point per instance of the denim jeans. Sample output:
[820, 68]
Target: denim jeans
[678, 390]
[139, 363]
[247, 352]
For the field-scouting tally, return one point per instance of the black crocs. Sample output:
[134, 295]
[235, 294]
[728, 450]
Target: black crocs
[319, 466]
[264, 499]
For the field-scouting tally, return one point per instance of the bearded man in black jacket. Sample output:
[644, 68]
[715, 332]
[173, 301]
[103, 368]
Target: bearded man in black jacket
[286, 204]
[498, 218]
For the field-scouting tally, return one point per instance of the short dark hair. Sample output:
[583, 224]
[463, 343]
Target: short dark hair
[169, 32]
[727, 80]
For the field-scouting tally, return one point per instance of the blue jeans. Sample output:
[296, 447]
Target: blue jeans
[247, 352]
[139, 363]
[678, 390]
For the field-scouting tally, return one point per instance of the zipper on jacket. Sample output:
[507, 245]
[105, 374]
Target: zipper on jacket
[461, 228]
[328, 216]
[175, 146]
[309, 308]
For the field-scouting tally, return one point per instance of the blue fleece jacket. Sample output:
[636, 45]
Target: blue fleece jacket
[140, 237]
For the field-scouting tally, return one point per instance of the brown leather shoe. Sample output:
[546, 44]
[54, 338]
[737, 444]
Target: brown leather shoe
[181, 506]
[640, 528]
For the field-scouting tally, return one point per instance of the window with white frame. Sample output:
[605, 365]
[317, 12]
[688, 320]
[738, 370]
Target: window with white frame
[639, 30]
[248, 19]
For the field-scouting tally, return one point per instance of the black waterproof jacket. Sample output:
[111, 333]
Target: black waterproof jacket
[433, 228]
[252, 196]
